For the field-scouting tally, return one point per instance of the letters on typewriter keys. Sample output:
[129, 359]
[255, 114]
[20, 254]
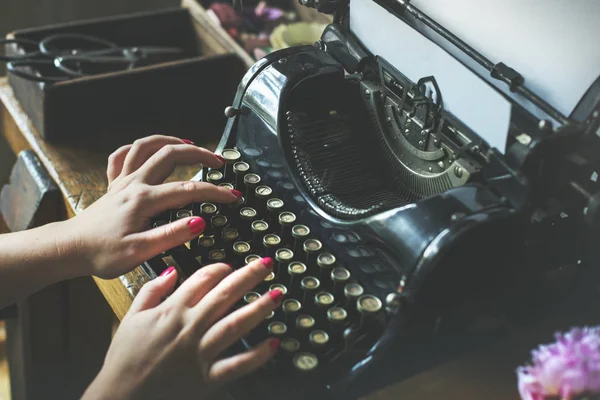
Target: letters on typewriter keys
[325, 311]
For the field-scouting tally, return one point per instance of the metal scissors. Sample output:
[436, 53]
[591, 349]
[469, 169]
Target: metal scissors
[66, 56]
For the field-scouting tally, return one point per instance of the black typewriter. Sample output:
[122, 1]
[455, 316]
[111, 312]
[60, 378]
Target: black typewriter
[413, 191]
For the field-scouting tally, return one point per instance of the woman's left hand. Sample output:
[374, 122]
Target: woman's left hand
[113, 235]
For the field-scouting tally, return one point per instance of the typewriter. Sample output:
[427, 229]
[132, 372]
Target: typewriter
[414, 174]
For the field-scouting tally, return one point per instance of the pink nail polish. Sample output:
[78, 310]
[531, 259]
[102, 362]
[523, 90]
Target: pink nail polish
[197, 226]
[237, 193]
[276, 295]
[186, 141]
[274, 344]
[167, 271]
[220, 158]
[267, 262]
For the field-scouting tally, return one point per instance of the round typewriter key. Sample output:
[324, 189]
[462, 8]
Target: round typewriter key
[215, 177]
[259, 229]
[368, 306]
[227, 186]
[229, 235]
[286, 220]
[250, 182]
[250, 258]
[290, 345]
[263, 192]
[274, 207]
[270, 242]
[184, 214]
[278, 286]
[319, 339]
[231, 156]
[311, 247]
[217, 223]
[283, 258]
[305, 362]
[324, 299]
[277, 329]
[207, 210]
[247, 213]
[240, 169]
[215, 256]
[340, 277]
[270, 316]
[290, 308]
[305, 322]
[206, 242]
[251, 297]
[270, 278]
[352, 291]
[325, 262]
[337, 316]
[241, 250]
[309, 285]
[300, 234]
[295, 270]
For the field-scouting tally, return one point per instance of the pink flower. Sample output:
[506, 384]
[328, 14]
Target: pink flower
[568, 368]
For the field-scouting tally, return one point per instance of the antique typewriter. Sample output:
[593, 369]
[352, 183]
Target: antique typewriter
[415, 174]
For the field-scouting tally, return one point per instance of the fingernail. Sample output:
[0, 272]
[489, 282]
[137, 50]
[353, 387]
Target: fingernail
[237, 193]
[220, 158]
[167, 271]
[267, 262]
[197, 225]
[186, 141]
[276, 295]
[274, 344]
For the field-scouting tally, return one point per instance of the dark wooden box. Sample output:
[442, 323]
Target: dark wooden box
[183, 97]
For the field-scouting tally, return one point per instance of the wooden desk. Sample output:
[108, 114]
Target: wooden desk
[486, 374]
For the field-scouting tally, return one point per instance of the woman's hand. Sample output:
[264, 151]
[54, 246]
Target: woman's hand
[113, 236]
[172, 349]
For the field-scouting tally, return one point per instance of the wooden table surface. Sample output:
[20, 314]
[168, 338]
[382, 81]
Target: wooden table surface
[485, 374]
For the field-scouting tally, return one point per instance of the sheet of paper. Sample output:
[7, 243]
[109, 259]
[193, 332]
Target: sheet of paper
[480, 106]
[554, 44]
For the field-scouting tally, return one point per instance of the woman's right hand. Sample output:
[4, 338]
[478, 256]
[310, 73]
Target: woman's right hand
[172, 349]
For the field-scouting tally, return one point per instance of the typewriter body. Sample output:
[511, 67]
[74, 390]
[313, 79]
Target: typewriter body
[410, 212]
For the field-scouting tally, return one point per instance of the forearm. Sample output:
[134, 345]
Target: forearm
[33, 259]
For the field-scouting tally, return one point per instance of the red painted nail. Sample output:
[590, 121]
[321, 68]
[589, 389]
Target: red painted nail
[276, 295]
[274, 344]
[267, 262]
[167, 271]
[237, 193]
[220, 158]
[197, 225]
[186, 141]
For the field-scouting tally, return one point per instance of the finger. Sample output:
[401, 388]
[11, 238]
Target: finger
[143, 149]
[155, 291]
[242, 364]
[193, 289]
[237, 324]
[229, 291]
[161, 164]
[115, 162]
[149, 243]
[175, 195]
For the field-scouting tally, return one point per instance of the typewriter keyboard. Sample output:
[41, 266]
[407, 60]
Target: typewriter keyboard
[325, 310]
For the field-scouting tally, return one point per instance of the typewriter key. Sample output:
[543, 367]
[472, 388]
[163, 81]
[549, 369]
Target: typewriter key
[305, 362]
[251, 297]
[319, 340]
[325, 262]
[181, 214]
[291, 308]
[340, 277]
[290, 346]
[295, 270]
[278, 286]
[216, 256]
[231, 156]
[274, 207]
[270, 278]
[208, 210]
[259, 229]
[229, 235]
[241, 250]
[215, 177]
[233, 209]
[247, 213]
[217, 223]
[276, 329]
[305, 322]
[286, 220]
[227, 186]
[262, 194]
[311, 247]
[337, 317]
[300, 234]
[324, 300]
[240, 169]
[270, 316]
[309, 285]
[250, 182]
[205, 244]
[250, 258]
[283, 258]
[270, 242]
[368, 306]
[352, 291]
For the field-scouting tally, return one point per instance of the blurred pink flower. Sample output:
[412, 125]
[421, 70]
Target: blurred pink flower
[566, 369]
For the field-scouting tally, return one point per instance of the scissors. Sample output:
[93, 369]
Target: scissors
[48, 61]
